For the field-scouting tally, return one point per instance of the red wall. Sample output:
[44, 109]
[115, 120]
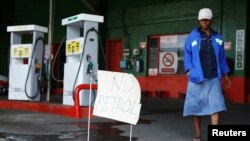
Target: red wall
[175, 84]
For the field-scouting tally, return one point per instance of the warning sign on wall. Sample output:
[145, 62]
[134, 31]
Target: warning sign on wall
[168, 63]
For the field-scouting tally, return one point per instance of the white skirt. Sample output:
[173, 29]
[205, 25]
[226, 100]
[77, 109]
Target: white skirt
[204, 98]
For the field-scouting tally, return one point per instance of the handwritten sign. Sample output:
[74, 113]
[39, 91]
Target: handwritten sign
[118, 97]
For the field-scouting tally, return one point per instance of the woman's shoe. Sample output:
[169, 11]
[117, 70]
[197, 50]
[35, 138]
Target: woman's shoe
[196, 139]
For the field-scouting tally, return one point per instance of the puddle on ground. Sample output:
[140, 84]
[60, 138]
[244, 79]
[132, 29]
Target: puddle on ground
[13, 137]
[100, 131]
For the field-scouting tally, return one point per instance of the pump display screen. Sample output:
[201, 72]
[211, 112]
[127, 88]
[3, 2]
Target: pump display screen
[21, 51]
[73, 47]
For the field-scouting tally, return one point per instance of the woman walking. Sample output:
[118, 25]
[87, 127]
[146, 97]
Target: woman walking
[205, 62]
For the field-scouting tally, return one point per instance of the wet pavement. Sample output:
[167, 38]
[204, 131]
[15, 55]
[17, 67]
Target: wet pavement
[160, 120]
[27, 126]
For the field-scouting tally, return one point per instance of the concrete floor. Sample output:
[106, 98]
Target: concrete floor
[160, 120]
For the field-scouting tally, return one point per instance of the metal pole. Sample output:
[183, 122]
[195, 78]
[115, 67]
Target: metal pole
[90, 93]
[131, 131]
[49, 46]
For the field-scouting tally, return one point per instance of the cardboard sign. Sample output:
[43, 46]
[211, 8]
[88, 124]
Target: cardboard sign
[118, 97]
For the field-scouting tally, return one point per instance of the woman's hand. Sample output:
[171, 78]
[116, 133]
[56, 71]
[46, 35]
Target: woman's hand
[228, 82]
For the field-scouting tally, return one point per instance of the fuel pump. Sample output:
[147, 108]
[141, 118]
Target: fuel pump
[25, 62]
[81, 55]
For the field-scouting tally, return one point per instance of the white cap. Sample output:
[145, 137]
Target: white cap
[205, 13]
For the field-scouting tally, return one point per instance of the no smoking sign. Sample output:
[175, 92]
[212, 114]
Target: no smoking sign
[168, 63]
[168, 59]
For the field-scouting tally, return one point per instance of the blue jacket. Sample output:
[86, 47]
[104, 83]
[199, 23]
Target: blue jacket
[192, 56]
